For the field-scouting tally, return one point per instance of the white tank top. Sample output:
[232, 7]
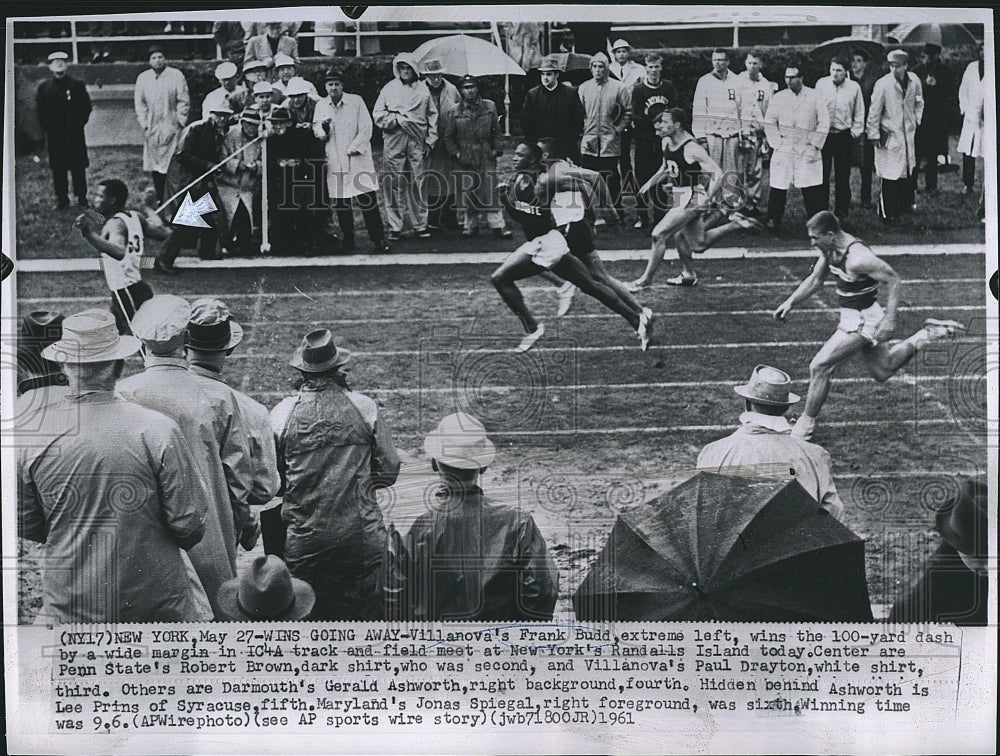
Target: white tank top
[121, 274]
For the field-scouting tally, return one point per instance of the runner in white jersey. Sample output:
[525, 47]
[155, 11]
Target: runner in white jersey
[121, 242]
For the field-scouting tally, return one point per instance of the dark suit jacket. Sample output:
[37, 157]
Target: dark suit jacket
[63, 107]
[558, 114]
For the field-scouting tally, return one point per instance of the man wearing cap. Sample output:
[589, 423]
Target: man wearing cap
[553, 110]
[284, 70]
[161, 105]
[715, 111]
[408, 117]
[896, 111]
[268, 46]
[755, 98]
[266, 592]
[846, 103]
[63, 108]
[471, 135]
[864, 328]
[121, 243]
[439, 179]
[629, 73]
[955, 585]
[263, 98]
[209, 418]
[239, 179]
[940, 97]
[211, 336]
[254, 72]
[607, 106]
[342, 124]
[473, 559]
[228, 92]
[765, 439]
[106, 485]
[651, 95]
[335, 452]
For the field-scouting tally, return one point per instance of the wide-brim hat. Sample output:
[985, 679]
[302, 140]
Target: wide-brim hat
[265, 591]
[91, 336]
[221, 107]
[460, 441]
[619, 44]
[225, 70]
[768, 385]
[281, 59]
[250, 115]
[254, 65]
[211, 329]
[296, 86]
[161, 323]
[318, 353]
[279, 114]
[431, 66]
[549, 63]
[964, 524]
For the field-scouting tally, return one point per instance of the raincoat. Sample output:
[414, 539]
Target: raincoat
[208, 417]
[796, 127]
[480, 561]
[895, 115]
[335, 451]
[114, 506]
[239, 176]
[161, 106]
[471, 137]
[345, 128]
[970, 102]
[439, 160]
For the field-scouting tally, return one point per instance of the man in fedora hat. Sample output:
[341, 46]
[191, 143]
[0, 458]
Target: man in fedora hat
[439, 179]
[212, 335]
[209, 417]
[335, 452]
[108, 487]
[472, 559]
[229, 91]
[63, 108]
[864, 328]
[954, 587]
[161, 105]
[553, 109]
[764, 441]
[266, 592]
[940, 99]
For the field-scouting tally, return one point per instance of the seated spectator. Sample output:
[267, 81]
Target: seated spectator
[266, 590]
[764, 439]
[268, 46]
[472, 559]
[955, 585]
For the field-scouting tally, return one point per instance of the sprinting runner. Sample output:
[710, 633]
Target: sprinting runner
[864, 326]
[550, 249]
[688, 221]
[121, 242]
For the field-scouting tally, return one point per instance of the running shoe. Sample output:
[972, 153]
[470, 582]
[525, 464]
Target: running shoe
[529, 341]
[682, 281]
[645, 329]
[566, 293]
[942, 329]
[745, 221]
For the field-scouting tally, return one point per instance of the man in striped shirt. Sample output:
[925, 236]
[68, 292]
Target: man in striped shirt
[865, 327]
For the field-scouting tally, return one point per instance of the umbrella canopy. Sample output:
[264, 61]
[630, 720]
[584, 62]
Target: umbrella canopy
[946, 35]
[462, 55]
[845, 47]
[721, 547]
[571, 61]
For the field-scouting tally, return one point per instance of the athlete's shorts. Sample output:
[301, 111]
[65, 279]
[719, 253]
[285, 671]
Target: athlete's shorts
[546, 250]
[689, 197]
[863, 322]
[580, 238]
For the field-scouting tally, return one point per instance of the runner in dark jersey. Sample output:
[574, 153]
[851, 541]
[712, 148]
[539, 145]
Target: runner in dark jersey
[685, 162]
[864, 326]
[548, 249]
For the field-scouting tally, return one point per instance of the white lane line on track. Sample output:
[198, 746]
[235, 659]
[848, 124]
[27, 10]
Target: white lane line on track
[905, 380]
[443, 293]
[72, 265]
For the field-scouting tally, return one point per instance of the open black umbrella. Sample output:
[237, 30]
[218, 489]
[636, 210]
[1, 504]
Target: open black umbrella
[720, 547]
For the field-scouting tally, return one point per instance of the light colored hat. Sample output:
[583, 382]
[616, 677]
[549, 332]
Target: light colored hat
[296, 86]
[898, 56]
[221, 107]
[210, 328]
[262, 87]
[768, 385]
[460, 441]
[433, 65]
[161, 323]
[600, 56]
[550, 63]
[58, 55]
[254, 65]
[283, 60]
[318, 353]
[91, 336]
[225, 70]
[266, 591]
[620, 43]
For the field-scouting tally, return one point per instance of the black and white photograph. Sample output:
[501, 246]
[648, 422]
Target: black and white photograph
[581, 379]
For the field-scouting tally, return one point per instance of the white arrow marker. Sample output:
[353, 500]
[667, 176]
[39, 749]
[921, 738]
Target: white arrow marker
[191, 211]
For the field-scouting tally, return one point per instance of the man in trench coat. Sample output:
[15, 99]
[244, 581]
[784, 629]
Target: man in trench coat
[161, 105]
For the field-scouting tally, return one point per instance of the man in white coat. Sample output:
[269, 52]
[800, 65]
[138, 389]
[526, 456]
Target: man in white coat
[342, 122]
[161, 105]
[796, 124]
[970, 102]
[896, 110]
[408, 117]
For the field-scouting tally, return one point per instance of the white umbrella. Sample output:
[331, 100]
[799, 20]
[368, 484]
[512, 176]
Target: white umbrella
[945, 35]
[461, 55]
